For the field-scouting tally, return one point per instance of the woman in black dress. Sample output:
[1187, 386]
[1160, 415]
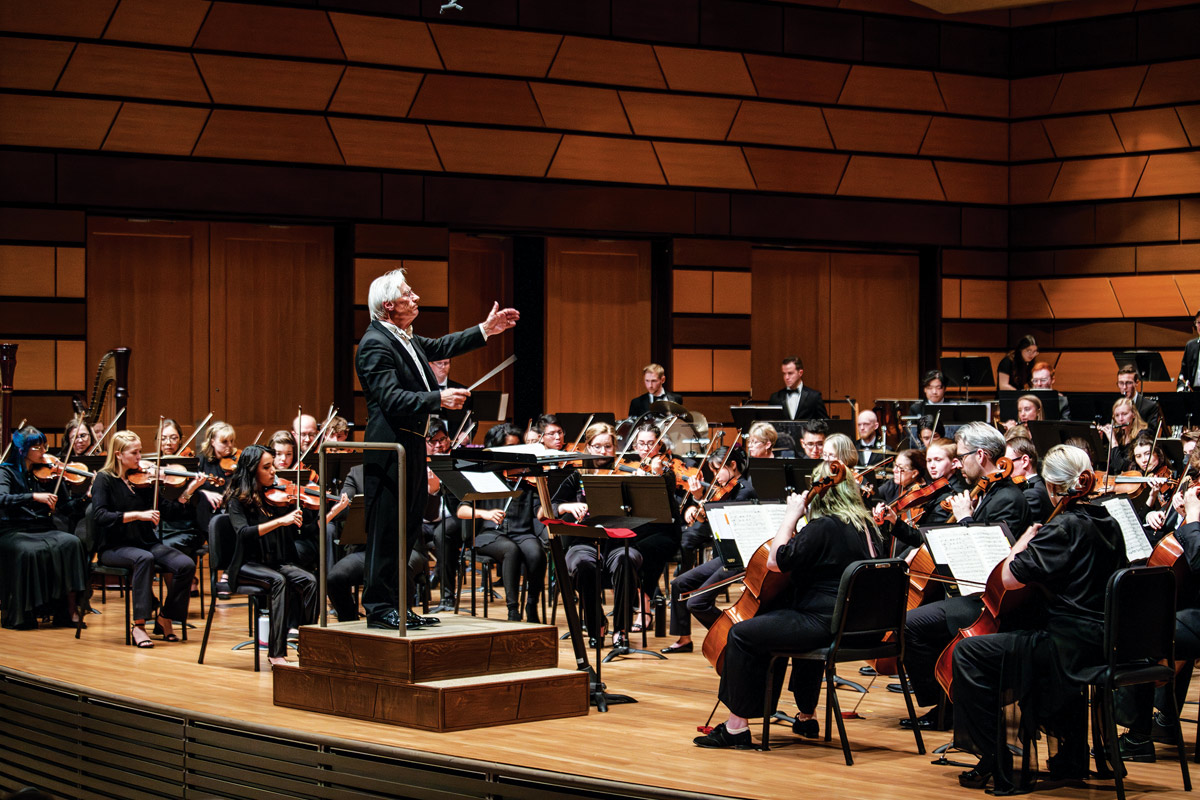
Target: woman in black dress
[41, 568]
[126, 537]
[265, 553]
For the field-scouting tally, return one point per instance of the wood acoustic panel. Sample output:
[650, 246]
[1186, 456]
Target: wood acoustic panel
[983, 299]
[1098, 179]
[1174, 173]
[583, 108]
[174, 24]
[1032, 183]
[784, 281]
[797, 78]
[480, 273]
[1142, 221]
[731, 372]
[710, 253]
[1085, 371]
[598, 303]
[871, 176]
[1168, 258]
[395, 145]
[966, 138]
[881, 87]
[166, 130]
[375, 40]
[614, 63]
[70, 271]
[1094, 260]
[133, 72]
[795, 170]
[27, 271]
[1098, 89]
[31, 63]
[268, 136]
[35, 369]
[379, 92]
[1031, 97]
[494, 151]
[269, 357]
[685, 117]
[69, 122]
[300, 32]
[973, 183]
[711, 71]
[777, 123]
[876, 131]
[433, 278]
[704, 165]
[952, 298]
[1149, 296]
[1087, 135]
[599, 158]
[973, 94]
[693, 370]
[1189, 288]
[1171, 82]
[148, 290]
[496, 101]
[1150, 129]
[731, 294]
[691, 291]
[71, 18]
[268, 82]
[505, 52]
[1028, 141]
[1189, 117]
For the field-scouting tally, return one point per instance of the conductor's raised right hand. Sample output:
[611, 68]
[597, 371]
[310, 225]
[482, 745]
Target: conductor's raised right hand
[454, 398]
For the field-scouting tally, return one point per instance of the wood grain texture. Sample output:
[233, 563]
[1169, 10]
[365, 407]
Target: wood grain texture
[686, 117]
[493, 151]
[614, 63]
[881, 87]
[505, 52]
[457, 98]
[603, 159]
[236, 81]
[31, 63]
[376, 143]
[133, 72]
[75, 18]
[147, 128]
[175, 24]
[584, 108]
[379, 92]
[70, 122]
[784, 281]
[239, 27]
[715, 72]
[797, 78]
[480, 273]
[704, 165]
[777, 123]
[268, 136]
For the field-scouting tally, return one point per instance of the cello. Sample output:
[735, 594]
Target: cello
[761, 584]
[997, 599]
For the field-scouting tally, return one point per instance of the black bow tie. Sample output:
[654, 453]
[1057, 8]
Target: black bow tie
[793, 391]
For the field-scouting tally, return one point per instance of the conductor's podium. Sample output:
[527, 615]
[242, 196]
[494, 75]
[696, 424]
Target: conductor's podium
[468, 672]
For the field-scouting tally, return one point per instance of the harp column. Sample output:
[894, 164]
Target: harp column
[8, 364]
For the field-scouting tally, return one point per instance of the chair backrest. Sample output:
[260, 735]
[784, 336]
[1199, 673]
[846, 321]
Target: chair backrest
[220, 543]
[354, 529]
[1139, 615]
[89, 532]
[872, 598]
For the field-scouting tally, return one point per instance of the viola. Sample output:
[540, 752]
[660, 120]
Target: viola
[73, 473]
[985, 482]
[997, 600]
[761, 585]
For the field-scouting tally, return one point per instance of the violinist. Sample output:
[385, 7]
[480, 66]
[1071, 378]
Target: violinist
[218, 450]
[77, 440]
[812, 438]
[704, 606]
[941, 461]
[839, 532]
[1015, 369]
[727, 468]
[1044, 669]
[1127, 423]
[933, 387]
[1151, 461]
[98, 434]
[908, 473]
[512, 535]
[550, 433]
[1023, 454]
[304, 431]
[42, 569]
[760, 440]
[125, 537]
[1029, 409]
[347, 571]
[930, 628]
[1129, 384]
[928, 429]
[265, 553]
[339, 429]
[70, 515]
[283, 445]
[839, 447]
[1167, 519]
[442, 528]
[178, 527]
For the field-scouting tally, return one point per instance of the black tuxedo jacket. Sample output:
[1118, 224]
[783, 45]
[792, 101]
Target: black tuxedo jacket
[641, 404]
[811, 405]
[1148, 409]
[1187, 372]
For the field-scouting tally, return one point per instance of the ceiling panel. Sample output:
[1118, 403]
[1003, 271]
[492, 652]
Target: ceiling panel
[469, 49]
[583, 108]
[273, 30]
[711, 71]
[797, 78]
[876, 131]
[704, 165]
[494, 152]
[614, 63]
[267, 82]
[973, 94]
[597, 158]
[166, 130]
[687, 117]
[132, 72]
[394, 145]
[457, 98]
[84, 19]
[907, 178]
[795, 170]
[268, 136]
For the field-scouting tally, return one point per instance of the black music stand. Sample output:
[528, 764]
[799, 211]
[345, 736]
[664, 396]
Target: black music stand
[1093, 406]
[1049, 434]
[776, 478]
[745, 416]
[557, 529]
[1180, 408]
[968, 372]
[487, 405]
[572, 422]
[629, 501]
[459, 483]
[1008, 402]
[1148, 363]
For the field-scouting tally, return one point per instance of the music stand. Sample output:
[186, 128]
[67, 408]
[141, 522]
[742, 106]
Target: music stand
[745, 416]
[776, 478]
[572, 422]
[968, 371]
[1180, 408]
[1008, 402]
[1050, 434]
[488, 405]
[1148, 363]
[1093, 406]
[629, 501]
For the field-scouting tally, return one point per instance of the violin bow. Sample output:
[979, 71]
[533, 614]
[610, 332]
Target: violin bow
[712, 487]
[299, 422]
[9, 445]
[712, 445]
[320, 435]
[458, 433]
[582, 431]
[107, 431]
[158, 464]
[195, 432]
[71, 449]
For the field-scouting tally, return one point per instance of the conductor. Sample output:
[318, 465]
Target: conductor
[401, 393]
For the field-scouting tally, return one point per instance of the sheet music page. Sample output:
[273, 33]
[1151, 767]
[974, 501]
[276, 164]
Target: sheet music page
[749, 526]
[1137, 546]
[486, 482]
[971, 553]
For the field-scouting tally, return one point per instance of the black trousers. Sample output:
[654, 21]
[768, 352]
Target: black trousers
[340, 582]
[292, 599]
[695, 537]
[141, 563]
[1136, 700]
[927, 631]
[447, 535]
[381, 578]
[656, 550]
[747, 654]
[702, 606]
[515, 551]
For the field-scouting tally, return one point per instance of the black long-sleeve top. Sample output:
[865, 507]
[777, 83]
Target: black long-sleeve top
[20, 512]
[271, 549]
[111, 499]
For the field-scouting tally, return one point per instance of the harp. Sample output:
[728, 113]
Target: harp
[112, 377]
[8, 364]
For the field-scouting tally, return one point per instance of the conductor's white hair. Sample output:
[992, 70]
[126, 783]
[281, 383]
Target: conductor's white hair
[387, 286]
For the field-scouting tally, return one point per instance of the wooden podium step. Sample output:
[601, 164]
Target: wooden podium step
[465, 673]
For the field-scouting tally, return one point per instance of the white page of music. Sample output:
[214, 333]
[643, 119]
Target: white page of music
[971, 553]
[1137, 546]
[747, 526]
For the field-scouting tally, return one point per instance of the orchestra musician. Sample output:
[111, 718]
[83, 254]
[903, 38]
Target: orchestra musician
[869, 439]
[727, 478]
[928, 429]
[441, 527]
[1029, 409]
[930, 627]
[653, 376]
[1189, 369]
[941, 461]
[265, 553]
[1127, 423]
[550, 433]
[1129, 384]
[798, 401]
[1042, 377]
[178, 528]
[933, 387]
[1070, 559]
[77, 439]
[760, 440]
[304, 432]
[42, 569]
[347, 571]
[1015, 370]
[393, 367]
[908, 473]
[812, 438]
[839, 532]
[1023, 454]
[98, 434]
[339, 429]
[839, 447]
[125, 537]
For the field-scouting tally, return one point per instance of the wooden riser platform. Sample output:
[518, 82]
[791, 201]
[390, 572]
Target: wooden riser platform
[466, 673]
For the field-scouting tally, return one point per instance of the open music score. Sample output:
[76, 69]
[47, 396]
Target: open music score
[1137, 546]
[745, 525]
[971, 552]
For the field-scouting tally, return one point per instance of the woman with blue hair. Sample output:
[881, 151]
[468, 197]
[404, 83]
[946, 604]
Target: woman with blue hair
[41, 568]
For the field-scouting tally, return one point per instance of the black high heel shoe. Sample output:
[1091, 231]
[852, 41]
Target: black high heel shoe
[808, 728]
[159, 631]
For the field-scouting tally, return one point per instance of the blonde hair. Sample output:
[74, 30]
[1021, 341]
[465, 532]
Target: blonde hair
[843, 447]
[599, 429]
[765, 431]
[214, 432]
[843, 502]
[655, 368]
[1137, 426]
[121, 441]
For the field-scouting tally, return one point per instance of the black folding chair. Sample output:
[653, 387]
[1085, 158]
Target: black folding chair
[220, 534]
[871, 603]
[1139, 639]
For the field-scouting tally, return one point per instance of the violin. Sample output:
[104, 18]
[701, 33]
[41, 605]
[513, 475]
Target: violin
[997, 600]
[229, 463]
[147, 473]
[913, 501]
[985, 482]
[286, 493]
[761, 585]
[73, 473]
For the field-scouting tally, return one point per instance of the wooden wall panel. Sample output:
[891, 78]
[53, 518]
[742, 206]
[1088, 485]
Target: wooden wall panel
[35, 369]
[70, 122]
[267, 357]
[785, 281]
[165, 130]
[583, 309]
[70, 266]
[1098, 89]
[796, 170]
[966, 138]
[1173, 173]
[399, 42]
[1171, 82]
[731, 294]
[693, 370]
[31, 63]
[580, 107]
[133, 72]
[882, 87]
[293, 31]
[26, 271]
[480, 273]
[599, 158]
[495, 101]
[1150, 129]
[913, 179]
[268, 82]
[174, 24]
[375, 143]
[494, 151]
[1168, 258]
[689, 70]
[1101, 178]
[686, 117]
[972, 94]
[468, 49]
[1088, 135]
[375, 91]
[691, 291]
[268, 136]
[148, 290]
[1149, 296]
[704, 165]
[876, 131]
[83, 18]
[776, 123]
[797, 78]
[731, 372]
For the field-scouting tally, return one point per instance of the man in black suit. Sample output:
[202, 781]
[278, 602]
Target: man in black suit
[1042, 377]
[654, 376]
[869, 440]
[452, 417]
[1189, 372]
[393, 368]
[1129, 384]
[798, 400]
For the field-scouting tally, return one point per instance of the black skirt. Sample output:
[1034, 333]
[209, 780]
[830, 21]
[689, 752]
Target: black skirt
[37, 572]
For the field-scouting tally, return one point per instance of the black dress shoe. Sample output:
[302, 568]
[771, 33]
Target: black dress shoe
[929, 721]
[868, 672]
[1132, 750]
[974, 779]
[897, 688]
[420, 622]
[723, 738]
[808, 728]
[388, 620]
[687, 647]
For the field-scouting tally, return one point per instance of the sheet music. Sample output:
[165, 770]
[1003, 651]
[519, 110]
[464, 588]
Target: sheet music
[747, 526]
[1137, 546]
[486, 482]
[971, 552]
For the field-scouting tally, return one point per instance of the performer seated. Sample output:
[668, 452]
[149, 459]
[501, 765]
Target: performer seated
[125, 537]
[1044, 668]
[441, 527]
[704, 606]
[928, 429]
[1129, 384]
[930, 628]
[1043, 378]
[908, 473]
[1029, 409]
[265, 553]
[347, 571]
[760, 440]
[550, 433]
[933, 387]
[839, 447]
[727, 469]
[869, 439]
[41, 569]
[1013, 371]
[798, 401]
[941, 461]
[1023, 454]
[77, 439]
[812, 438]
[1127, 423]
[512, 534]
[654, 376]
[839, 532]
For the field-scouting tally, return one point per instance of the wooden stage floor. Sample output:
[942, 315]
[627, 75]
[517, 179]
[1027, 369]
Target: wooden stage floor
[647, 743]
